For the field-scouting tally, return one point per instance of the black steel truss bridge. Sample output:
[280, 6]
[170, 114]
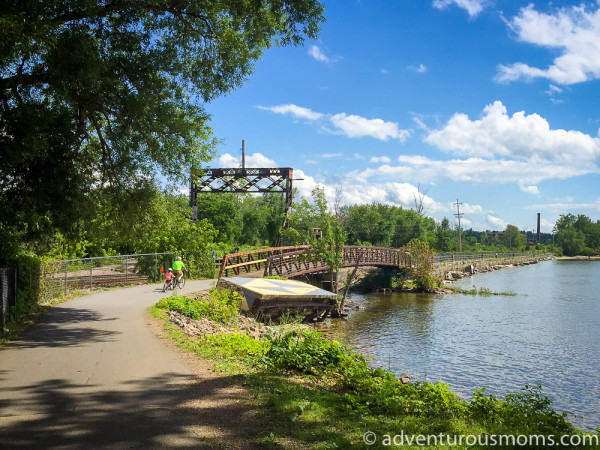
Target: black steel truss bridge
[243, 180]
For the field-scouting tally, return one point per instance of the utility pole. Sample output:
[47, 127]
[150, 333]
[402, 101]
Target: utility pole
[458, 215]
[243, 154]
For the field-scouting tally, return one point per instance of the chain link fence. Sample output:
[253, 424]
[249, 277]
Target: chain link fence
[60, 278]
[8, 294]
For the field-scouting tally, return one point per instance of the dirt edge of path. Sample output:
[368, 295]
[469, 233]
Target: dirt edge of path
[224, 412]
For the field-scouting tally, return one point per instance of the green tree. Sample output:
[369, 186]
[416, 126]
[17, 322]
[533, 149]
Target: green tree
[512, 237]
[421, 259]
[571, 241]
[111, 92]
[443, 236]
[329, 247]
[578, 235]
[223, 212]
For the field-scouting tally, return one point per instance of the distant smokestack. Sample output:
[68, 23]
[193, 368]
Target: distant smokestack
[538, 229]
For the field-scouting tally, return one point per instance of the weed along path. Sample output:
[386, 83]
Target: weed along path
[92, 374]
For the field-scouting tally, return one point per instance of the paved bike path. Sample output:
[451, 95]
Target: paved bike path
[91, 374]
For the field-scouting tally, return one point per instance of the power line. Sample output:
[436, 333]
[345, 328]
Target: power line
[458, 216]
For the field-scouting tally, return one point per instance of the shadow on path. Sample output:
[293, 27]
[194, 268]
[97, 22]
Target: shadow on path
[54, 330]
[164, 411]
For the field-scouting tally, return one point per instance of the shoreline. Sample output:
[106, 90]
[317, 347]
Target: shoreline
[577, 258]
[461, 269]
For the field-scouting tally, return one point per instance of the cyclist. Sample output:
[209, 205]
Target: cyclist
[178, 268]
[169, 276]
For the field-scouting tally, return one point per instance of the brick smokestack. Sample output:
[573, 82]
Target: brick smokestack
[538, 229]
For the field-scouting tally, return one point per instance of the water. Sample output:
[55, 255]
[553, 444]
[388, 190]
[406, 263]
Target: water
[548, 333]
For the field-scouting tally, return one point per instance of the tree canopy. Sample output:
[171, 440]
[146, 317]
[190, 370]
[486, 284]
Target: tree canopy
[110, 93]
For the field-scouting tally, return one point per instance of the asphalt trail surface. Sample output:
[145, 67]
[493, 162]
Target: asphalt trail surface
[91, 374]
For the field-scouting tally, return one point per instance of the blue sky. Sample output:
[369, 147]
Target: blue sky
[491, 102]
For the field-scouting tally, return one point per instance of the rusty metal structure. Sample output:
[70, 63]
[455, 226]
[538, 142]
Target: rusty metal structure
[243, 181]
[243, 263]
[246, 181]
[294, 264]
[290, 262]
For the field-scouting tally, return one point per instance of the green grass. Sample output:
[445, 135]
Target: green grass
[318, 394]
[483, 291]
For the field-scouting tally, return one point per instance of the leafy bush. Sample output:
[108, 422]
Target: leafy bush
[237, 345]
[421, 258]
[219, 305]
[373, 391]
[305, 351]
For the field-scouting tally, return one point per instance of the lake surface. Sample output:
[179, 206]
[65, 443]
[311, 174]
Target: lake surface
[548, 333]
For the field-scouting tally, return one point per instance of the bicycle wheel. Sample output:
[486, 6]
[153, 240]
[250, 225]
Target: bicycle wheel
[182, 282]
[165, 286]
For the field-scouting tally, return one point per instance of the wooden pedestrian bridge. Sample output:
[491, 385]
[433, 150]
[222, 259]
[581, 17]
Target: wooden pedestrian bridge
[295, 261]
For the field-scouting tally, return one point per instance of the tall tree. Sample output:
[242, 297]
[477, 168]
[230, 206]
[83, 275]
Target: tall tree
[512, 237]
[328, 243]
[109, 92]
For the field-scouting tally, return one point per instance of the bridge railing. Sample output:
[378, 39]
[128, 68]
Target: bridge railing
[298, 262]
[253, 260]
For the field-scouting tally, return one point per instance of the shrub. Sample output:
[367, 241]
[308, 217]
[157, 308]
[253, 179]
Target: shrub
[219, 305]
[237, 346]
[305, 351]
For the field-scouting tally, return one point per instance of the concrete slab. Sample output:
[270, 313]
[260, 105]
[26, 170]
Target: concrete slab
[270, 297]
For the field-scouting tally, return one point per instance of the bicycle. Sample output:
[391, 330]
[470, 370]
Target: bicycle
[169, 284]
[181, 282]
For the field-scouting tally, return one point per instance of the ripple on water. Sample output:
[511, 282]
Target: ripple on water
[547, 333]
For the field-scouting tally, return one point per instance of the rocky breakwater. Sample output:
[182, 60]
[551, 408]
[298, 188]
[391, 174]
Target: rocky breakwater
[458, 271]
[204, 326]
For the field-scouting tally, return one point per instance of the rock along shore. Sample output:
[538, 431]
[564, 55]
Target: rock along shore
[460, 269]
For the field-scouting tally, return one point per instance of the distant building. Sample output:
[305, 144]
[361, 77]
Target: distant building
[495, 235]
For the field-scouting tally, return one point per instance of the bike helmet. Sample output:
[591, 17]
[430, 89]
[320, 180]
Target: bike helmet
[170, 270]
[179, 258]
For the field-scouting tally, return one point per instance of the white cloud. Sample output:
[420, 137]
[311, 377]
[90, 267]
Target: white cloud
[496, 222]
[356, 126]
[414, 160]
[470, 209]
[421, 68]
[524, 137]
[473, 171]
[356, 192]
[529, 189]
[360, 191]
[332, 155]
[473, 7]
[254, 160]
[554, 90]
[574, 31]
[316, 53]
[293, 110]
[568, 206]
[352, 126]
[380, 159]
